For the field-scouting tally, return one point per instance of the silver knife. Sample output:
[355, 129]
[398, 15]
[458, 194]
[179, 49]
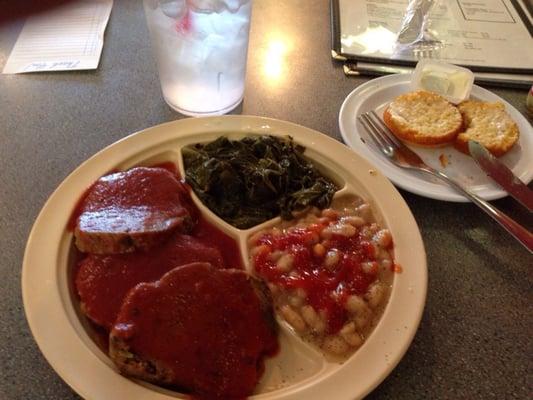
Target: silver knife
[502, 175]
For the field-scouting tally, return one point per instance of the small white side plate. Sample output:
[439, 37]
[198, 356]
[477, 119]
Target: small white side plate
[377, 93]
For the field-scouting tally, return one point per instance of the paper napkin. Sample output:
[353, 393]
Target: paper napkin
[68, 37]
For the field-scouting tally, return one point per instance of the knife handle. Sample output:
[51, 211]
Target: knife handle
[510, 225]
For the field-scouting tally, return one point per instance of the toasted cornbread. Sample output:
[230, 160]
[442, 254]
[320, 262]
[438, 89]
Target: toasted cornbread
[423, 118]
[489, 124]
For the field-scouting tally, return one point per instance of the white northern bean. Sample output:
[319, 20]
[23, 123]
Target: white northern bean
[374, 295]
[383, 254]
[354, 220]
[258, 249]
[275, 255]
[366, 233]
[347, 328]
[330, 213]
[326, 233]
[350, 335]
[383, 238]
[331, 259]
[335, 345]
[319, 250]
[285, 262]
[295, 301]
[293, 318]
[353, 339]
[355, 304]
[341, 229]
[369, 267]
[364, 212]
[297, 298]
[312, 319]
[324, 220]
[363, 318]
[346, 230]
[386, 264]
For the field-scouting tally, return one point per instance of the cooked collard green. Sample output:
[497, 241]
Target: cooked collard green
[252, 180]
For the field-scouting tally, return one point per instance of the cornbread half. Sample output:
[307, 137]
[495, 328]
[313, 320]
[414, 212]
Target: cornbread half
[423, 118]
[489, 124]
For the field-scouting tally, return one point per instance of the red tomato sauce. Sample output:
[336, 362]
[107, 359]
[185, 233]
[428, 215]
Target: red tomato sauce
[103, 280]
[183, 190]
[210, 235]
[223, 362]
[318, 282]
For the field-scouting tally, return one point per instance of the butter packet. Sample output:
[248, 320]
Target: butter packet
[450, 81]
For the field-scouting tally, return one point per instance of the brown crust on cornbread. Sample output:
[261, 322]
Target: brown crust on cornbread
[489, 124]
[423, 118]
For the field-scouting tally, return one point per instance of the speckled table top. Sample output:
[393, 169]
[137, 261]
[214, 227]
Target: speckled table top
[474, 341]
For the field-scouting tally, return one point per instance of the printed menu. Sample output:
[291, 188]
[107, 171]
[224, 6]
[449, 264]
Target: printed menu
[484, 35]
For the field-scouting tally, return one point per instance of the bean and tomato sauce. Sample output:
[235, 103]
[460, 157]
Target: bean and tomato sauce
[329, 272]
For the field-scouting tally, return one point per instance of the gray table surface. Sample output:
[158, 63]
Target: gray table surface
[474, 341]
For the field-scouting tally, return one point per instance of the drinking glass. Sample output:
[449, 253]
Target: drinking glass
[201, 48]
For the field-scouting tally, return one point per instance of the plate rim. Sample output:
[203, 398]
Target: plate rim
[47, 291]
[408, 181]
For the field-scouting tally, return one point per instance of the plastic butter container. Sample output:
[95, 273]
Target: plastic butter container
[450, 81]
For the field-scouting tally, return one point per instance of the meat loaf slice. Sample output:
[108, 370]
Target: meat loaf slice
[131, 210]
[102, 281]
[199, 328]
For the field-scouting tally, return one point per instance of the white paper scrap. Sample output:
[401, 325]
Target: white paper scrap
[69, 37]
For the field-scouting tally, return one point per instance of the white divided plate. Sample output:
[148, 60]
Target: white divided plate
[298, 371]
[377, 93]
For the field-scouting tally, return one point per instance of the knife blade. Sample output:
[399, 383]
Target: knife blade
[501, 174]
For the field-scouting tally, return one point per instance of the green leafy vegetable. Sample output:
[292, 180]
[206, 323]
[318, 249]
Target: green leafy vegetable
[252, 180]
